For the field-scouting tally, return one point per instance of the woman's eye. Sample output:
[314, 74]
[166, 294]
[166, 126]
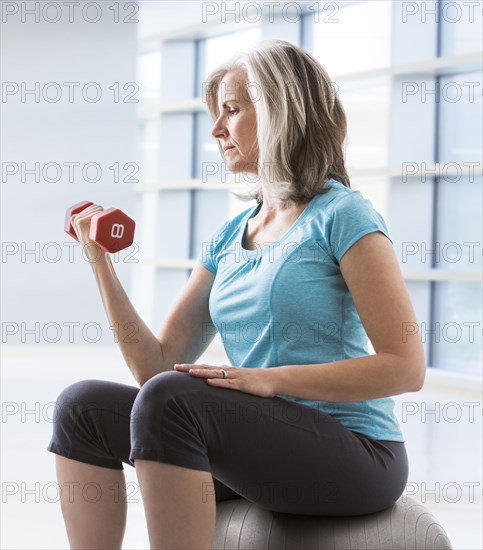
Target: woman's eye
[233, 111]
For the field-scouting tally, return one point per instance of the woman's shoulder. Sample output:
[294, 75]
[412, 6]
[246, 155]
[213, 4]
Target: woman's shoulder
[337, 192]
[341, 199]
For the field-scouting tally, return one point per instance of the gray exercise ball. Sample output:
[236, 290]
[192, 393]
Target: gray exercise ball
[243, 525]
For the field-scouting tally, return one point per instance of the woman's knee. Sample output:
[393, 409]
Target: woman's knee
[91, 396]
[162, 387]
[79, 395]
[80, 392]
[163, 393]
[166, 424]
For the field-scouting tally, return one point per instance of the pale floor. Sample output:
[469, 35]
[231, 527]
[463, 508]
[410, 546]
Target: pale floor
[444, 450]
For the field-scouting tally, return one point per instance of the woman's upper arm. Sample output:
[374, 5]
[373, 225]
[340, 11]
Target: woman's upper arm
[372, 274]
[188, 330]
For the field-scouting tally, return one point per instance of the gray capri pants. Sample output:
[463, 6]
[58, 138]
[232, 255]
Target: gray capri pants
[284, 456]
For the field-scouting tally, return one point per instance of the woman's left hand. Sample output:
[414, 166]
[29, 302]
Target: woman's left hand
[255, 381]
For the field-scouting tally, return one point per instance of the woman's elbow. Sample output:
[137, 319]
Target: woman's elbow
[412, 373]
[417, 379]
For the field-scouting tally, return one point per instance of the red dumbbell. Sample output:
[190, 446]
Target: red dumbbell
[111, 229]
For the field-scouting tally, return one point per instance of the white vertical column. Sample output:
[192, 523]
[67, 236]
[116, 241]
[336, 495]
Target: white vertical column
[74, 131]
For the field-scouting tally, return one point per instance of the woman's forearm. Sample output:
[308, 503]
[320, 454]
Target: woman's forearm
[357, 379]
[141, 349]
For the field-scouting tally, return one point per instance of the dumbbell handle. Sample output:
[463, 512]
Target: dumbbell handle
[112, 230]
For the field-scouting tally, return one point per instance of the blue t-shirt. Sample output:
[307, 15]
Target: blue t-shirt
[286, 303]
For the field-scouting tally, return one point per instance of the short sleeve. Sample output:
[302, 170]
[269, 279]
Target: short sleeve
[210, 249]
[353, 217]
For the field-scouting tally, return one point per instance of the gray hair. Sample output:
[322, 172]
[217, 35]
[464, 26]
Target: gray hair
[301, 124]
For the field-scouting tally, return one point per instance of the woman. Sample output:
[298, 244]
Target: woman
[301, 421]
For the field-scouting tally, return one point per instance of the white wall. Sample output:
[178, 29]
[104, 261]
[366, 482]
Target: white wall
[55, 285]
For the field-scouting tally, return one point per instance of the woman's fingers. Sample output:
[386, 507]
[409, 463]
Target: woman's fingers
[81, 223]
[82, 219]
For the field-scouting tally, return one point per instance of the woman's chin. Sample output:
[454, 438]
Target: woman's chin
[237, 167]
[232, 165]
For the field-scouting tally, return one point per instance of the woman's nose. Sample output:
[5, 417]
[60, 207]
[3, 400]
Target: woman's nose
[218, 130]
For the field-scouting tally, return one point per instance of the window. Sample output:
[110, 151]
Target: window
[149, 77]
[219, 49]
[461, 128]
[367, 111]
[461, 29]
[457, 343]
[385, 131]
[356, 37]
[208, 161]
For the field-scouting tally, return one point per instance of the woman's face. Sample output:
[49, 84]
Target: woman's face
[236, 125]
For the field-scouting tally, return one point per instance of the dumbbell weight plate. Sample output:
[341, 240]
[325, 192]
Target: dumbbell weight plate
[112, 230]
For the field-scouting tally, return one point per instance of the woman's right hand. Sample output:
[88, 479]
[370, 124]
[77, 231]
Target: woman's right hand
[81, 223]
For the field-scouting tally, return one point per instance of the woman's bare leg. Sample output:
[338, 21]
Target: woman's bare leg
[179, 504]
[93, 503]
